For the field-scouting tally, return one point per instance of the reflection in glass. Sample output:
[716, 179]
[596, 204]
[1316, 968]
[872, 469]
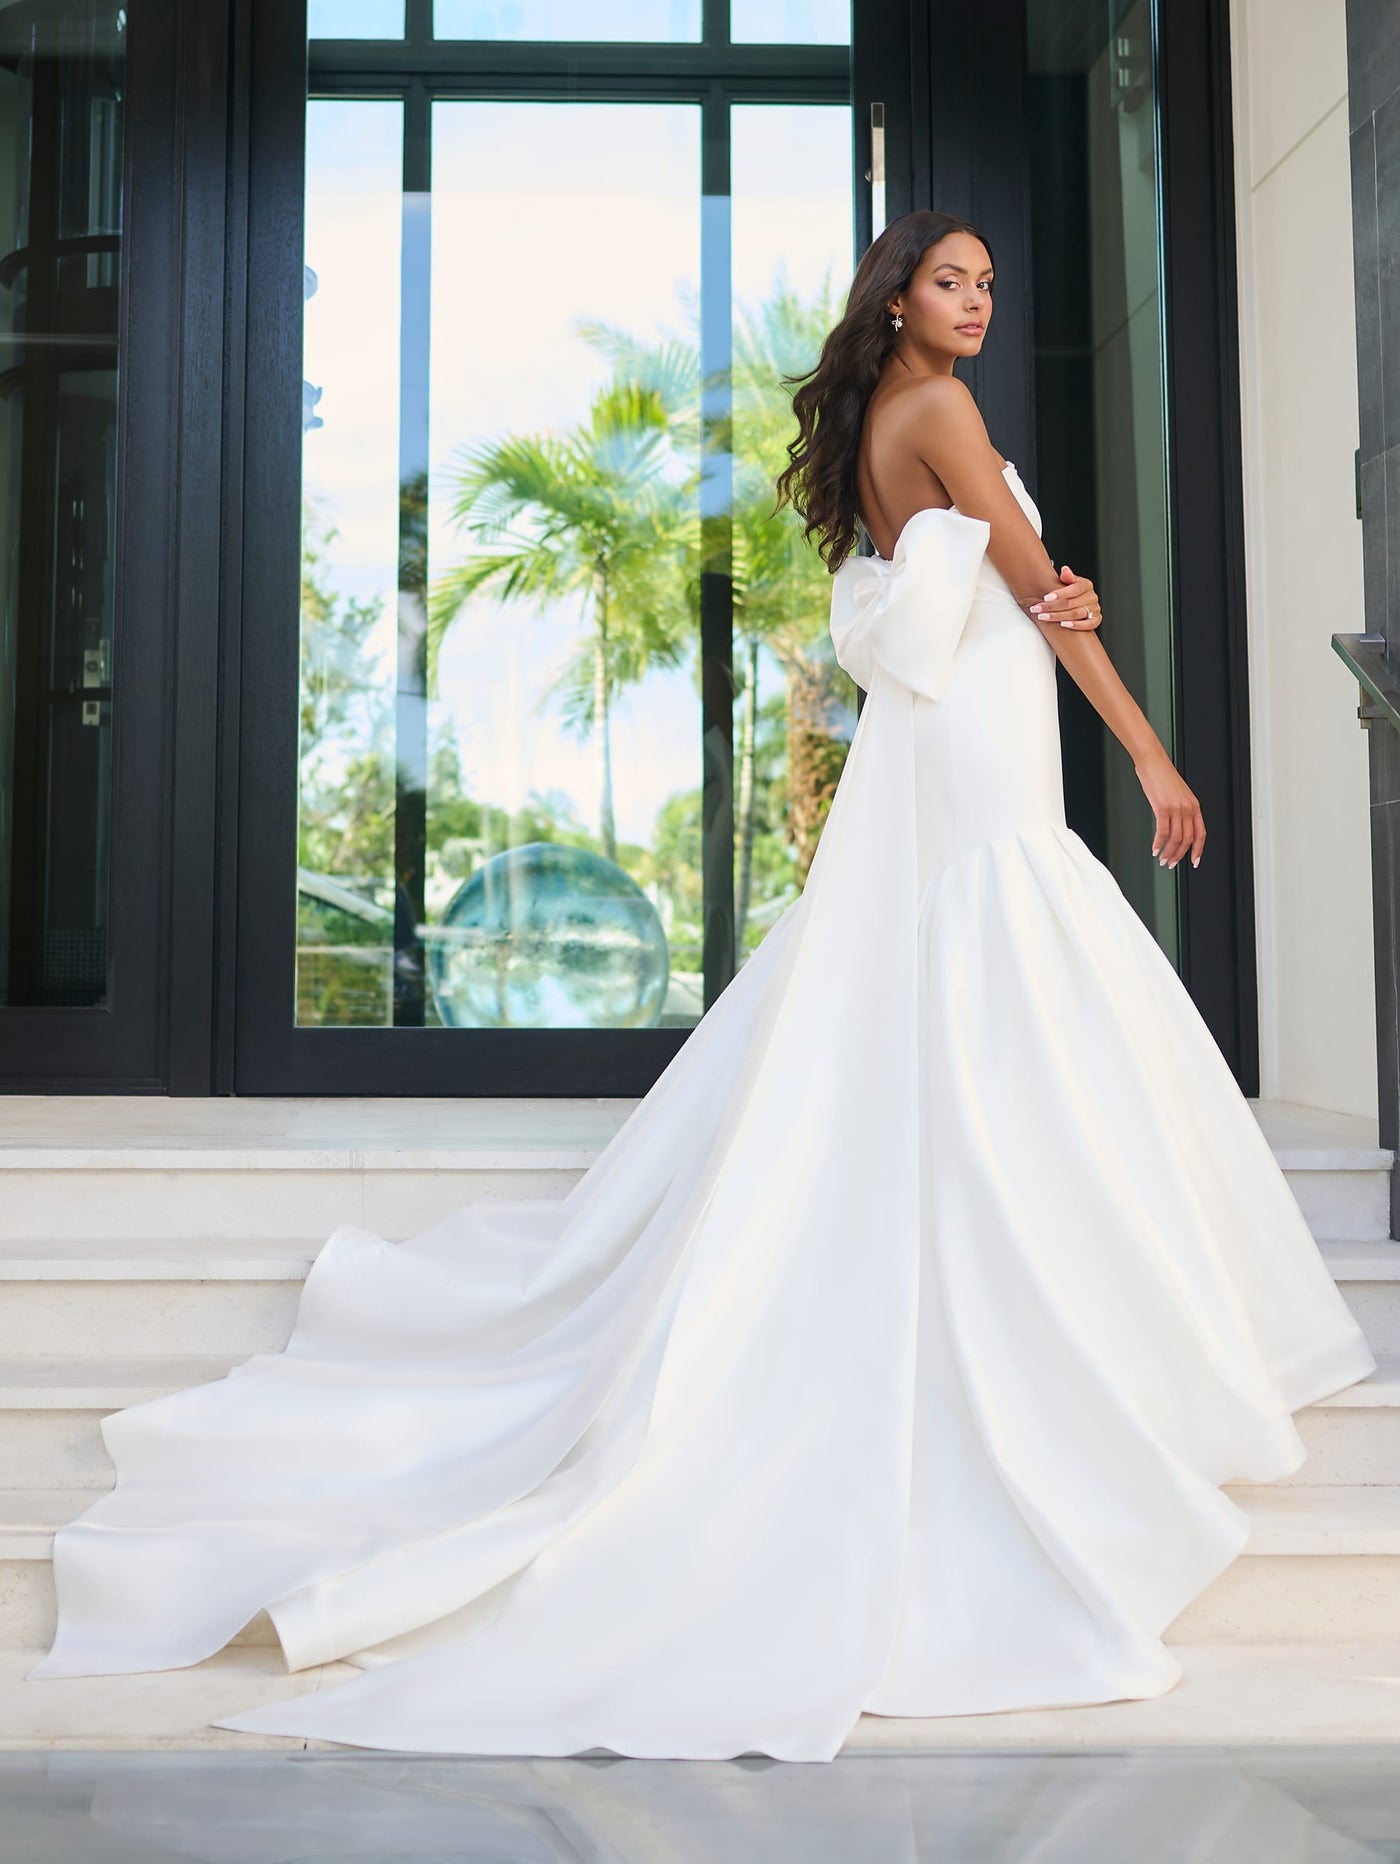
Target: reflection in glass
[563, 505]
[61, 75]
[346, 899]
[1099, 330]
[650, 21]
[521, 480]
[790, 22]
[795, 709]
[355, 19]
[548, 937]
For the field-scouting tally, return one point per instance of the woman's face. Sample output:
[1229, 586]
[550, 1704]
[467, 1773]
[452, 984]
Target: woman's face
[947, 305]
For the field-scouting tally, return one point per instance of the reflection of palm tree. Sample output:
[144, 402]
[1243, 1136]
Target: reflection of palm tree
[601, 512]
[782, 591]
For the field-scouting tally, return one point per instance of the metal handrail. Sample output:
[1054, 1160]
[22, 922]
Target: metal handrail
[1379, 675]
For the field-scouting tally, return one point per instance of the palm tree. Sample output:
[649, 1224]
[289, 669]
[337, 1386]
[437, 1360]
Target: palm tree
[781, 588]
[607, 511]
[782, 591]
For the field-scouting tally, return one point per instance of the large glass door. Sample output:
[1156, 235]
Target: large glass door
[567, 720]
[85, 390]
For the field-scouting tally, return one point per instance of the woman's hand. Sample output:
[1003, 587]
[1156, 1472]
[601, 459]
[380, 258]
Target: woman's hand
[1179, 822]
[1075, 604]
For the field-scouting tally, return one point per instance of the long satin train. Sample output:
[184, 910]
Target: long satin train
[890, 1357]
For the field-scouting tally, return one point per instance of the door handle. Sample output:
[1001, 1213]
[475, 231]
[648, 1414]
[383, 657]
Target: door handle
[875, 174]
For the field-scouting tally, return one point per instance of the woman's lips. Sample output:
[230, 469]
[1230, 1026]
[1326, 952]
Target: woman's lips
[971, 329]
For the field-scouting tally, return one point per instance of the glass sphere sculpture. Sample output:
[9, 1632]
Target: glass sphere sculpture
[548, 937]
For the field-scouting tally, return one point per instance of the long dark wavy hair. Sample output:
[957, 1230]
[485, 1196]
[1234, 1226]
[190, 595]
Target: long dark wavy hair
[830, 401]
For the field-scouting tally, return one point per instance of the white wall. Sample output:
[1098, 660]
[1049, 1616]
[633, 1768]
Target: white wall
[1312, 869]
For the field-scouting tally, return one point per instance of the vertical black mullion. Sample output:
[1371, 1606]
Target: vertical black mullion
[203, 142]
[231, 567]
[418, 24]
[411, 696]
[716, 543]
[35, 613]
[268, 533]
[1206, 529]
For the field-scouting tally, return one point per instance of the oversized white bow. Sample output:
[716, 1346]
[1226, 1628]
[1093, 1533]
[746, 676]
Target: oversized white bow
[907, 615]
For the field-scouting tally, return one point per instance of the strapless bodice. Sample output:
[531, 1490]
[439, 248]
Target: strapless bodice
[907, 613]
[1018, 488]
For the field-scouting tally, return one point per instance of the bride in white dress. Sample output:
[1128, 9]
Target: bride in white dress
[892, 1354]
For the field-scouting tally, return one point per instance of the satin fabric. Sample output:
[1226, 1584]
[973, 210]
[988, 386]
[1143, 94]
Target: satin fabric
[890, 1356]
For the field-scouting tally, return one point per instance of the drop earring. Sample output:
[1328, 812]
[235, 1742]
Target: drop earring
[898, 320]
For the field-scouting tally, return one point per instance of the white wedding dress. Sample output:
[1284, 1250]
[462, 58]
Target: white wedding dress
[889, 1358]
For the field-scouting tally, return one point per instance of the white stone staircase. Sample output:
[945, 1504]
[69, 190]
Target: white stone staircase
[149, 1245]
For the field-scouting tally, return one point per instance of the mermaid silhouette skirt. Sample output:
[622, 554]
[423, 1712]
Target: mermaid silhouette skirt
[890, 1357]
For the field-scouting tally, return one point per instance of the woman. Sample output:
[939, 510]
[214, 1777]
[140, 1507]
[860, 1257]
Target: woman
[892, 1354]
[933, 276]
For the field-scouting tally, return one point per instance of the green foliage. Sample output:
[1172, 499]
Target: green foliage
[346, 820]
[607, 516]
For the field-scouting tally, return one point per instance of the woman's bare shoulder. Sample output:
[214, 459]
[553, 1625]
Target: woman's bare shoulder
[947, 401]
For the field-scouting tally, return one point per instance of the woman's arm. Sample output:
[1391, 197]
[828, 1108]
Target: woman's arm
[953, 442]
[951, 439]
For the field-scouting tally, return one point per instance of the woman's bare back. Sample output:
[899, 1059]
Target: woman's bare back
[892, 480]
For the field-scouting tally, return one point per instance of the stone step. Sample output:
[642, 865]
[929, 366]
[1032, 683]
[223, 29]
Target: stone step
[1346, 1197]
[202, 1294]
[1352, 1437]
[51, 1410]
[91, 1166]
[114, 1167]
[273, 1197]
[1321, 1563]
[1368, 1274]
[157, 1709]
[1278, 1695]
[1337, 1172]
[153, 1295]
[28, 1518]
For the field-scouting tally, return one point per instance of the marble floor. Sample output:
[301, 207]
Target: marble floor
[1297, 1805]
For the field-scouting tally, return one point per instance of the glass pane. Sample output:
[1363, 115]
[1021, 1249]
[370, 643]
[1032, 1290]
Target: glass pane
[61, 83]
[518, 479]
[790, 22]
[346, 898]
[796, 709]
[355, 19]
[564, 883]
[1099, 334]
[650, 21]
